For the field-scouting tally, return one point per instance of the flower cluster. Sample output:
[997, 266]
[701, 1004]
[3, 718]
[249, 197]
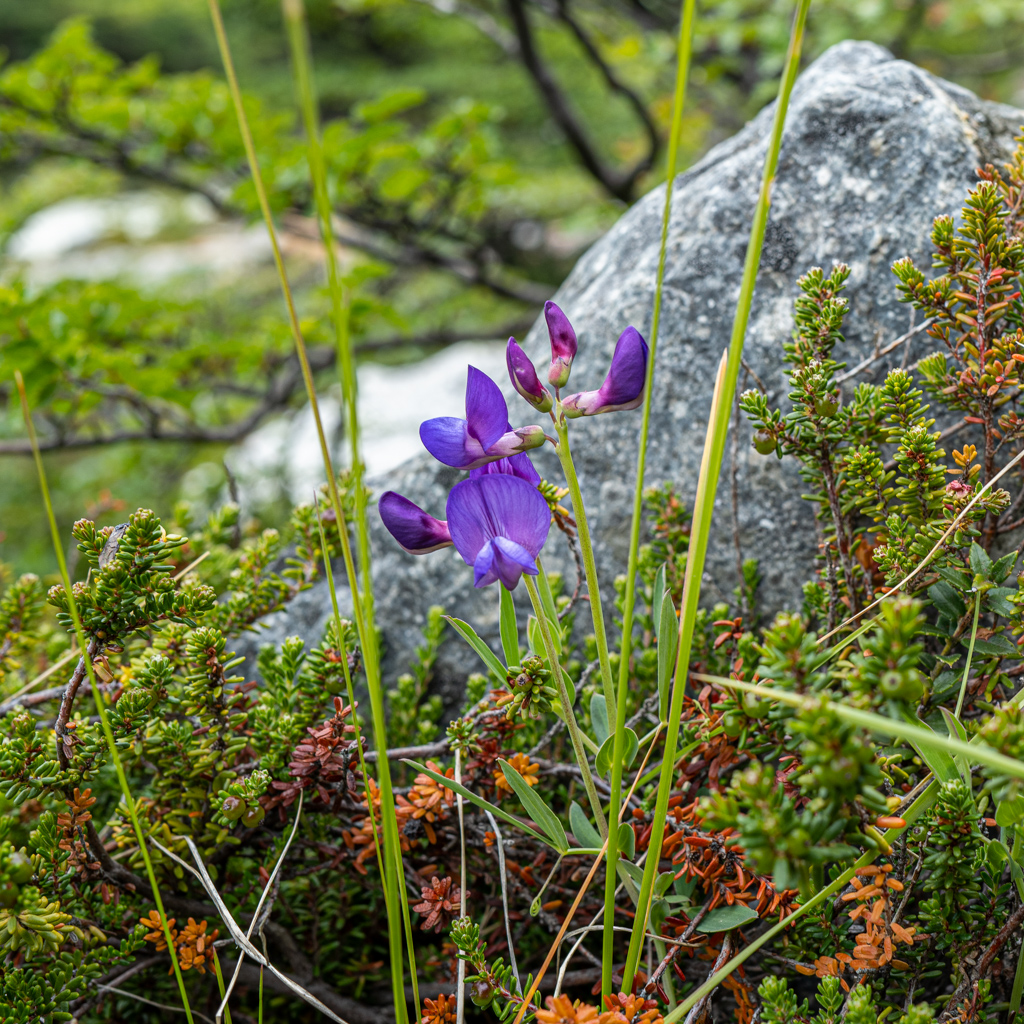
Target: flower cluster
[498, 519]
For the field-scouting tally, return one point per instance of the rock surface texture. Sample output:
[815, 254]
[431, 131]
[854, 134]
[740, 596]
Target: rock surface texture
[874, 149]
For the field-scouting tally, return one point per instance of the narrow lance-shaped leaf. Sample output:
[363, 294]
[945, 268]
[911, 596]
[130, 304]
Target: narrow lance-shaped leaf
[509, 628]
[487, 656]
[535, 806]
[486, 805]
[668, 642]
[599, 717]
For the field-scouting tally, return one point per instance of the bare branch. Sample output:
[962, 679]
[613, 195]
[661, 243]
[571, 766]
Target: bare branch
[621, 186]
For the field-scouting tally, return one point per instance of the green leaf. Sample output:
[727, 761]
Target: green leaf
[604, 755]
[1003, 567]
[466, 631]
[509, 628]
[724, 919]
[627, 840]
[997, 646]
[547, 601]
[1010, 812]
[957, 732]
[946, 684]
[457, 787]
[663, 882]
[657, 595]
[585, 833]
[980, 562]
[668, 642]
[947, 600]
[998, 600]
[629, 868]
[535, 806]
[954, 726]
[599, 717]
[960, 580]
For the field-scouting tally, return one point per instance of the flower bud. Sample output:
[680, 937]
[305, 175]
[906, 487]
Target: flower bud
[563, 344]
[523, 375]
[764, 442]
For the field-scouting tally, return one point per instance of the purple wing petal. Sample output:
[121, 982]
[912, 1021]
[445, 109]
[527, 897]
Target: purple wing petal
[623, 388]
[486, 411]
[511, 560]
[516, 510]
[625, 381]
[515, 465]
[469, 519]
[484, 569]
[417, 531]
[446, 438]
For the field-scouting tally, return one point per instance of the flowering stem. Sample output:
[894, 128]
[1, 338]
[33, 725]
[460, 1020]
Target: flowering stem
[394, 872]
[711, 464]
[683, 50]
[101, 709]
[570, 717]
[589, 565]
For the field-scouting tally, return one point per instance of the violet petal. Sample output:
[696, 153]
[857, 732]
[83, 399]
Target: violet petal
[563, 344]
[486, 411]
[514, 465]
[492, 506]
[417, 531]
[523, 375]
[623, 387]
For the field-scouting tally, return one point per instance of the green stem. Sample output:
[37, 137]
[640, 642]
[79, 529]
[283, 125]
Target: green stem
[298, 36]
[220, 984]
[714, 449]
[394, 872]
[589, 564]
[683, 50]
[101, 709]
[970, 655]
[570, 717]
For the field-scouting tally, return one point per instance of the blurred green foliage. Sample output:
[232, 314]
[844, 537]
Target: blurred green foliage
[460, 198]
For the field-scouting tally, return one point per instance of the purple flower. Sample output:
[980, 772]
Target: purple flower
[524, 377]
[563, 344]
[623, 388]
[417, 531]
[498, 524]
[484, 435]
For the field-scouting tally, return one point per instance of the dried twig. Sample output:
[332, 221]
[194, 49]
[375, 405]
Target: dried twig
[257, 919]
[241, 939]
[880, 352]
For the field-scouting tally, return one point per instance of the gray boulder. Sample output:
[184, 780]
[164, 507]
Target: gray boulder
[874, 149]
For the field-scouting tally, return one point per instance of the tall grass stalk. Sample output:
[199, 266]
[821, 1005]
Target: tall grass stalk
[684, 46]
[101, 708]
[393, 870]
[974, 750]
[298, 38]
[714, 450]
